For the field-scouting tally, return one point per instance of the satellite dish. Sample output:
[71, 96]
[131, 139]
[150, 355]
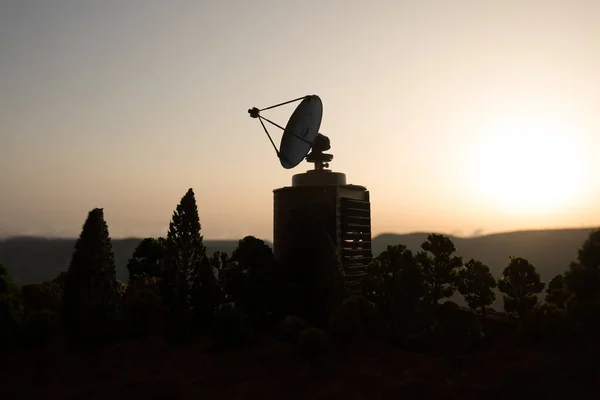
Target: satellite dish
[301, 134]
[301, 131]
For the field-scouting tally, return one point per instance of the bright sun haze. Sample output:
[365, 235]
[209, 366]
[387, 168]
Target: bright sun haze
[458, 116]
[531, 165]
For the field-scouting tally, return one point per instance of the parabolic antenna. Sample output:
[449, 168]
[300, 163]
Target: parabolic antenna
[301, 131]
[300, 134]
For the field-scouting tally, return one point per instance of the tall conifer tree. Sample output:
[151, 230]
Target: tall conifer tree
[90, 300]
[184, 253]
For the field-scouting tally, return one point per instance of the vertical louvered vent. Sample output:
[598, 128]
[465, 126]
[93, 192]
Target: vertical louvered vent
[355, 244]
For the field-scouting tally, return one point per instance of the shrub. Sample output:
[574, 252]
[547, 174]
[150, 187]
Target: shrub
[144, 313]
[39, 327]
[37, 297]
[355, 321]
[371, 318]
[458, 329]
[547, 321]
[55, 290]
[9, 327]
[10, 310]
[56, 286]
[231, 327]
[497, 325]
[312, 342]
[450, 305]
[291, 327]
[585, 315]
[345, 324]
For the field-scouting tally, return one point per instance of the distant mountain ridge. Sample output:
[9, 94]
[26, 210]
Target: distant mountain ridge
[6, 231]
[31, 259]
[550, 250]
[34, 259]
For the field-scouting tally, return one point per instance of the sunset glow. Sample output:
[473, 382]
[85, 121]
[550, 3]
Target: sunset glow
[530, 165]
[458, 116]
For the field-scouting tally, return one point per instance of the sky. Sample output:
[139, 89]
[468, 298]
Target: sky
[460, 117]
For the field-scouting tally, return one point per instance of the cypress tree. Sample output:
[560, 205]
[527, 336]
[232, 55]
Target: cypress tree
[90, 298]
[184, 251]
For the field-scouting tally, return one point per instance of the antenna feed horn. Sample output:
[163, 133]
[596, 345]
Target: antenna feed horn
[254, 112]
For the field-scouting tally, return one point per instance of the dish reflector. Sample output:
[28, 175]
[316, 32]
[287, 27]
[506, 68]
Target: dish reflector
[301, 131]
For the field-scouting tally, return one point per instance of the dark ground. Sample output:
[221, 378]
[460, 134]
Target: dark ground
[151, 369]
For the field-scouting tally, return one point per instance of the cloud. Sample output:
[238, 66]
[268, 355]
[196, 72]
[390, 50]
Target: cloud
[477, 232]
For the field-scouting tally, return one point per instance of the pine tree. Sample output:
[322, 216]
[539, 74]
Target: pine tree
[251, 279]
[146, 262]
[582, 281]
[556, 292]
[90, 302]
[476, 284]
[184, 251]
[583, 277]
[439, 266]
[520, 284]
[395, 282]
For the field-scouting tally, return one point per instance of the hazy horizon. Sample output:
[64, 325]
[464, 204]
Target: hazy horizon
[459, 117]
[458, 234]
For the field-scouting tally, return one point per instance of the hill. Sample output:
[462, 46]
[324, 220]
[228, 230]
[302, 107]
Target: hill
[6, 231]
[551, 251]
[34, 259]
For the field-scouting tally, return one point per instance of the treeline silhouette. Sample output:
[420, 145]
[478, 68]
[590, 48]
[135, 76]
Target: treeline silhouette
[177, 291]
[37, 259]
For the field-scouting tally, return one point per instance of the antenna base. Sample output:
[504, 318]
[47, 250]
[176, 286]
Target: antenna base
[321, 160]
[316, 156]
[319, 178]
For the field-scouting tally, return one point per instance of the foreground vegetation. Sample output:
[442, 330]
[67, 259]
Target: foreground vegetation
[186, 318]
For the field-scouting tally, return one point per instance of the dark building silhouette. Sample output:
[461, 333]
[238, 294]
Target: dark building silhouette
[321, 202]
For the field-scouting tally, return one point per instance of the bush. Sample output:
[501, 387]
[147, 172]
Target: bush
[144, 313]
[291, 327]
[231, 327]
[371, 318]
[55, 290]
[37, 297]
[459, 329]
[312, 342]
[547, 321]
[10, 310]
[585, 315]
[39, 327]
[345, 324]
[356, 321]
[497, 325]
[450, 305]
[9, 327]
